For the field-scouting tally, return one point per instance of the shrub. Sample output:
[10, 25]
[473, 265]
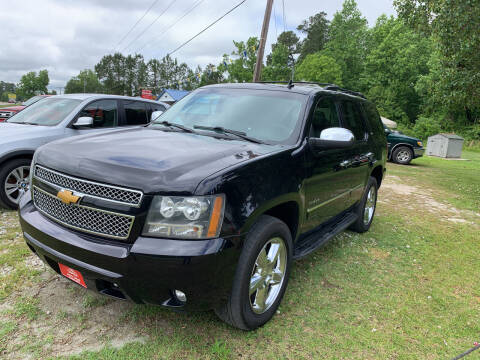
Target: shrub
[426, 126]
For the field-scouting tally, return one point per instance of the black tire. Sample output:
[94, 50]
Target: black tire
[237, 311]
[402, 155]
[361, 225]
[5, 170]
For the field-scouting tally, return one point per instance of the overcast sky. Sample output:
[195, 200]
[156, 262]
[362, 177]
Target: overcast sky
[66, 36]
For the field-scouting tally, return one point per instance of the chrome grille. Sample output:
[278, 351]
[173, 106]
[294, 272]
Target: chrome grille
[83, 218]
[108, 192]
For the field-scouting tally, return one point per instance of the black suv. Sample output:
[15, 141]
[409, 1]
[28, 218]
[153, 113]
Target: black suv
[207, 207]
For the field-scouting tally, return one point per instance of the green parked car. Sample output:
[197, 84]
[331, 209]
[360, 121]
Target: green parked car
[402, 148]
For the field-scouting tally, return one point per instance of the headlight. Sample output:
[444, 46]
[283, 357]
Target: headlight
[32, 170]
[192, 217]
[419, 143]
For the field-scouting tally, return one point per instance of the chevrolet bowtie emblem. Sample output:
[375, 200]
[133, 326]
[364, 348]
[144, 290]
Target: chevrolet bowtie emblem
[67, 197]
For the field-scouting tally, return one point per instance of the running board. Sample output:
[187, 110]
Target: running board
[313, 241]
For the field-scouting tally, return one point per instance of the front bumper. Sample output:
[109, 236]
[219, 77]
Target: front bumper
[417, 152]
[146, 271]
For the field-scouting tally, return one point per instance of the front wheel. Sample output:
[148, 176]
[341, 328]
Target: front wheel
[403, 155]
[14, 182]
[261, 276]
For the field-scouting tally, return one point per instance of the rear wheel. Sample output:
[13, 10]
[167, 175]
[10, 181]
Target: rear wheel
[261, 276]
[14, 182]
[402, 155]
[366, 207]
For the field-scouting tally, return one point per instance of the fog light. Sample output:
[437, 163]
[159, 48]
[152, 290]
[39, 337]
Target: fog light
[180, 296]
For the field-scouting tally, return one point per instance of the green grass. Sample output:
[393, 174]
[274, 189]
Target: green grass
[8, 105]
[27, 308]
[459, 180]
[407, 289]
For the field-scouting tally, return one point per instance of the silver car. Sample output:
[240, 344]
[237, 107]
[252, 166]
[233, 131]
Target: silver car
[58, 117]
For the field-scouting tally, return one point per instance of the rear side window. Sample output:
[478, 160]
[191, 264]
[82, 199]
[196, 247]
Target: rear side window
[353, 120]
[373, 117]
[103, 112]
[325, 116]
[135, 113]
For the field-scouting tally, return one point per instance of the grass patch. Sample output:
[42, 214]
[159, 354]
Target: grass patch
[459, 180]
[407, 289]
[6, 328]
[27, 307]
[94, 300]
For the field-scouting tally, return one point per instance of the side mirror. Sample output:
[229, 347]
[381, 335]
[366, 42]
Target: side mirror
[387, 131]
[83, 121]
[332, 138]
[156, 115]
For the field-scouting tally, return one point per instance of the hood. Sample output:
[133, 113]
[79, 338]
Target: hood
[399, 135]
[16, 137]
[13, 108]
[10, 132]
[151, 160]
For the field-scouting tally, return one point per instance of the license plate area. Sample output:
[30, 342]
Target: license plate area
[72, 274]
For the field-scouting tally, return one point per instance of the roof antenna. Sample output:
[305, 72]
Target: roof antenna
[290, 84]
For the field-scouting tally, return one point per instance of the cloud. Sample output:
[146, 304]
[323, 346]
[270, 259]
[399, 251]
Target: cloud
[66, 36]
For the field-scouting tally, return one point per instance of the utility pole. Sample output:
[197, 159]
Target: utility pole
[263, 39]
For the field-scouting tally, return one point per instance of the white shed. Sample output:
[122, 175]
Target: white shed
[445, 145]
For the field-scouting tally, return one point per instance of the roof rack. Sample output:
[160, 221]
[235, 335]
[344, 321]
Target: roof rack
[326, 86]
[346, 91]
[296, 82]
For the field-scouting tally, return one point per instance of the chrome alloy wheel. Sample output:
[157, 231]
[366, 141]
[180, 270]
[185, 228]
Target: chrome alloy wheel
[17, 183]
[403, 156]
[268, 275]
[370, 205]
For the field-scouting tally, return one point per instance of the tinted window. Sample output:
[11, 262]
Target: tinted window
[135, 113]
[49, 111]
[325, 116]
[103, 112]
[157, 107]
[373, 117]
[154, 107]
[352, 119]
[271, 116]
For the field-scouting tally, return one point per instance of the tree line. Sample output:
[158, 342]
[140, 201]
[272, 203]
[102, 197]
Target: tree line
[421, 68]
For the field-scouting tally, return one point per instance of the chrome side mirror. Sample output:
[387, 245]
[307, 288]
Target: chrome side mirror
[83, 121]
[156, 115]
[333, 138]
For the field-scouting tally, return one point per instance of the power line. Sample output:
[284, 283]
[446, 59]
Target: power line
[149, 26]
[197, 3]
[208, 27]
[138, 21]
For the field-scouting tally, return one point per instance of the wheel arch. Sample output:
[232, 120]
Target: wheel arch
[285, 208]
[377, 173]
[20, 154]
[410, 146]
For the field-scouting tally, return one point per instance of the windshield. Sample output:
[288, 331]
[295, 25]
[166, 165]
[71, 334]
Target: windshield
[32, 100]
[47, 112]
[271, 116]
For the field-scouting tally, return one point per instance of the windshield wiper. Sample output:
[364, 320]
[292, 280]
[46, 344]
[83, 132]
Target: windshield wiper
[24, 123]
[220, 129]
[178, 126]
